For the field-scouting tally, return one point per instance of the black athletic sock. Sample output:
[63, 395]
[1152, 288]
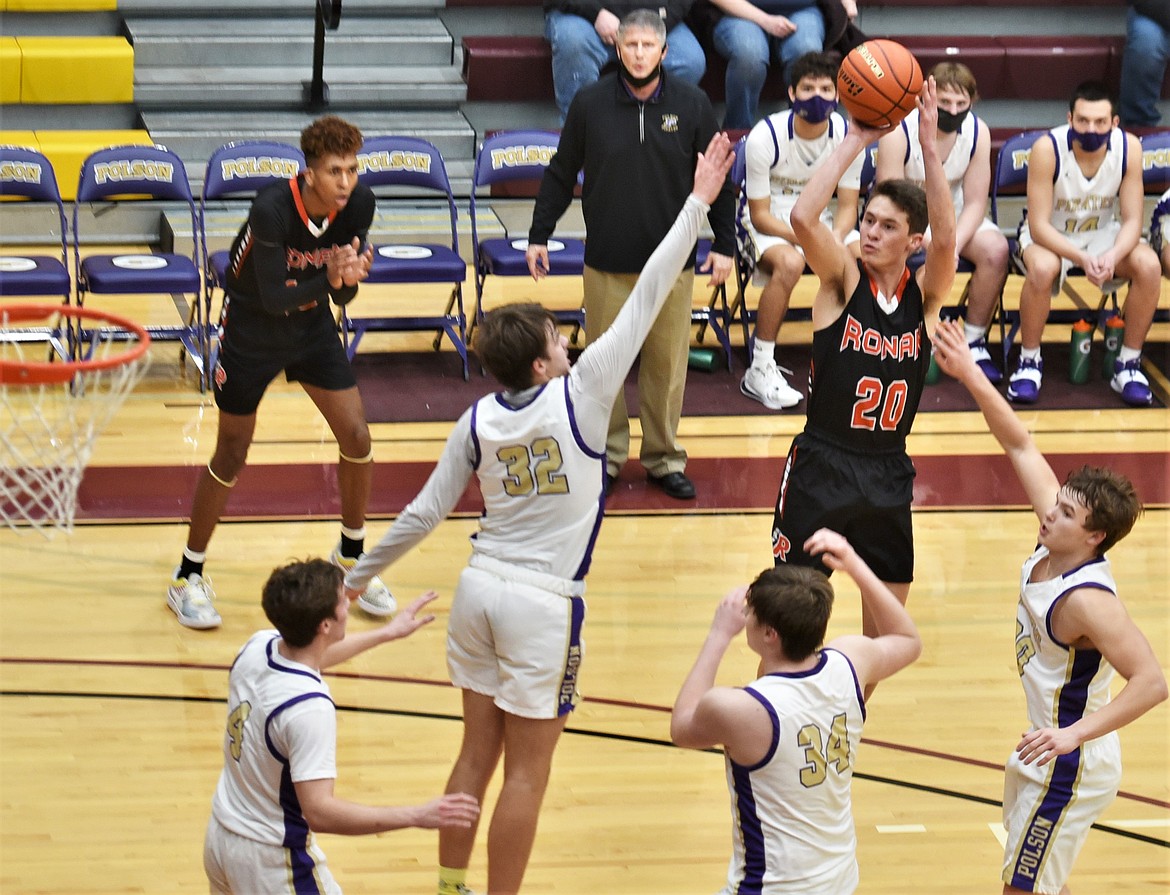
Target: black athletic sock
[352, 548]
[188, 567]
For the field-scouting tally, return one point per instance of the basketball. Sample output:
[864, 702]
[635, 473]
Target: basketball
[879, 83]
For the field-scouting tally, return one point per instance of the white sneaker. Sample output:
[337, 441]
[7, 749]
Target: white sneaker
[767, 385]
[191, 600]
[377, 599]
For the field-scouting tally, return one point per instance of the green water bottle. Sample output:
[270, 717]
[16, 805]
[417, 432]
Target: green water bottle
[933, 373]
[1078, 358]
[1114, 336]
[701, 359]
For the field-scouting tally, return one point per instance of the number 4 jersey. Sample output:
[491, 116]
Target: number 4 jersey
[792, 815]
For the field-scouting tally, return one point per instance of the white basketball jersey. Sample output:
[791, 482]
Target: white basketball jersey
[792, 819]
[1061, 684]
[543, 488]
[779, 163]
[281, 729]
[1081, 204]
[956, 163]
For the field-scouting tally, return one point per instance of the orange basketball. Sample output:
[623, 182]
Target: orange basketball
[879, 82]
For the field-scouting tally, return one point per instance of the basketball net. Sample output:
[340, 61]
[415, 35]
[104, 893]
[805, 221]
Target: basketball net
[64, 372]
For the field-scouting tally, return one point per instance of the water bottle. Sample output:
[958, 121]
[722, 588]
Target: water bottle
[933, 373]
[1078, 359]
[1114, 336]
[701, 359]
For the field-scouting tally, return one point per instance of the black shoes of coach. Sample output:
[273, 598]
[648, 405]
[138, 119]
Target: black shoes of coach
[675, 484]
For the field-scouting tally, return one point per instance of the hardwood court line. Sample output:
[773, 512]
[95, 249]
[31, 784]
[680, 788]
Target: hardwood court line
[432, 682]
[572, 731]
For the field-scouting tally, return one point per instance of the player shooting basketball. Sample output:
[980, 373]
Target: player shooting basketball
[871, 351]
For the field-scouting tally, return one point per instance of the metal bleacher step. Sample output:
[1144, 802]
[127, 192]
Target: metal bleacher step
[195, 135]
[282, 86]
[176, 42]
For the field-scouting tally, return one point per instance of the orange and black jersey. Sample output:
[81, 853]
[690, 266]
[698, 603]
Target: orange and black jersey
[278, 259]
[869, 368]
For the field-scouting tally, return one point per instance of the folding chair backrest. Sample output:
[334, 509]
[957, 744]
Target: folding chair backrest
[869, 168]
[408, 162]
[402, 161]
[26, 172]
[152, 171]
[514, 155]
[1011, 168]
[247, 166]
[1156, 163]
[29, 174]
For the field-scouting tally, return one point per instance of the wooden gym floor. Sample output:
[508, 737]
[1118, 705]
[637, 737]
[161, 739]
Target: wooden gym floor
[111, 714]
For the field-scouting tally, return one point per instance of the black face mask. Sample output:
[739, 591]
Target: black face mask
[949, 122]
[638, 83]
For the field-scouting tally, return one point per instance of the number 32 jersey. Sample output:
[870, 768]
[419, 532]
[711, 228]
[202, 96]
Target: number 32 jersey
[869, 369]
[792, 814]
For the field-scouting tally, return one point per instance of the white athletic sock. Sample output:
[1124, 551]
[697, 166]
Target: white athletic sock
[762, 352]
[973, 333]
[1030, 353]
[1125, 355]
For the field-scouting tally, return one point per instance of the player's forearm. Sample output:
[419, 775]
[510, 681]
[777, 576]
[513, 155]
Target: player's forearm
[700, 680]
[354, 644]
[940, 206]
[1141, 693]
[817, 193]
[337, 816]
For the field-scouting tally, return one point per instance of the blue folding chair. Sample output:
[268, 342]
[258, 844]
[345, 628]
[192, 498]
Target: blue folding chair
[510, 157]
[27, 174]
[237, 170]
[126, 174]
[412, 163]
[1155, 182]
[715, 314]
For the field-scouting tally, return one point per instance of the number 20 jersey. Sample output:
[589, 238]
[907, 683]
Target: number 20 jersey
[869, 369]
[542, 486]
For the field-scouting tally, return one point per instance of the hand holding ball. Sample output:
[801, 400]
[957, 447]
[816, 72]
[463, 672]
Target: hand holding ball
[879, 82]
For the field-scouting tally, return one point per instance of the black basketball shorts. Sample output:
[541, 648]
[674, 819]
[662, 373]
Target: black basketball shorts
[863, 496]
[241, 376]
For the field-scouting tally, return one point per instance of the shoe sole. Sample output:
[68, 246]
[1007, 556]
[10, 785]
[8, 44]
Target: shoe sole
[769, 404]
[1121, 394]
[674, 494]
[377, 611]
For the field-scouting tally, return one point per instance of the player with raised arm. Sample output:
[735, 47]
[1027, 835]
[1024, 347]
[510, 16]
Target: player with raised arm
[537, 448]
[1072, 633]
[279, 749]
[791, 737]
[849, 470]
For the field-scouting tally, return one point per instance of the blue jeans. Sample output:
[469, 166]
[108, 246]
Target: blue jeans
[1143, 66]
[749, 50]
[578, 55]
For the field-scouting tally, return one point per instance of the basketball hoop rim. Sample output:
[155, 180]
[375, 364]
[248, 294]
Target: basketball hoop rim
[57, 372]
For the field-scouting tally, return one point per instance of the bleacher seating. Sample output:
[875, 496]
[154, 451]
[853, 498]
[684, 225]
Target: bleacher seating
[86, 69]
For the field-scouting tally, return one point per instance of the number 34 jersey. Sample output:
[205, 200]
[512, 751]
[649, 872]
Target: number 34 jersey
[792, 814]
[542, 485]
[869, 368]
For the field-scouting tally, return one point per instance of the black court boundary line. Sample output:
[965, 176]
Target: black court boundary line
[598, 700]
[619, 737]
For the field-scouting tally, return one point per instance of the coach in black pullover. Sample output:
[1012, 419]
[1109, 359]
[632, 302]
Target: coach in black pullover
[638, 156]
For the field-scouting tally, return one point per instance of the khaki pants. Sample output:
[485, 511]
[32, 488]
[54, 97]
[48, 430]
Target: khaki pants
[662, 375]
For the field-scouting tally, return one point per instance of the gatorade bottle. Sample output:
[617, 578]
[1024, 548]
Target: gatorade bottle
[933, 373]
[1078, 360]
[701, 359]
[1114, 336]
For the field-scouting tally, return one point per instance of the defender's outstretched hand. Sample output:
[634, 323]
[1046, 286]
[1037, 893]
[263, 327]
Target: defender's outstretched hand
[712, 167]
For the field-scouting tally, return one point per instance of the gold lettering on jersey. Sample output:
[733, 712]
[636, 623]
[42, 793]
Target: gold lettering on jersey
[569, 681]
[259, 166]
[235, 728]
[1081, 204]
[1033, 848]
[535, 467]
[20, 172]
[134, 169]
[1025, 647]
[1020, 158]
[398, 160]
[869, 341]
[516, 156]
